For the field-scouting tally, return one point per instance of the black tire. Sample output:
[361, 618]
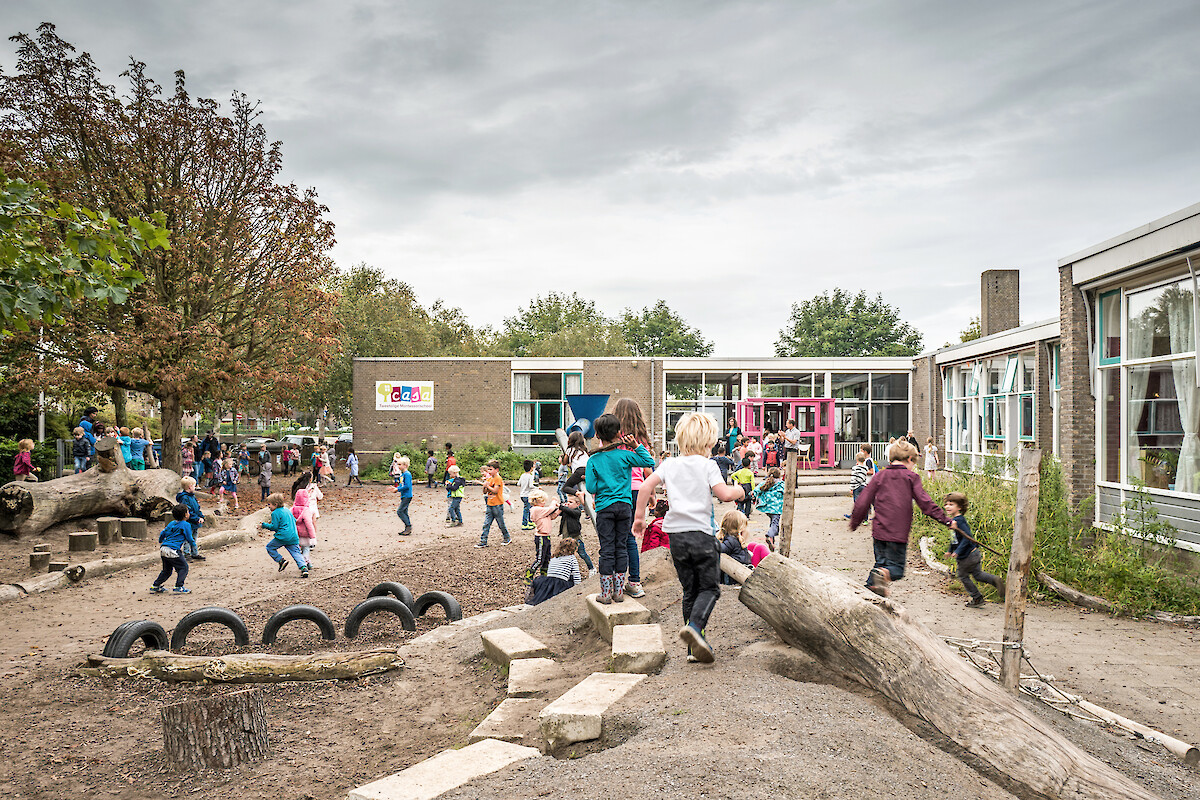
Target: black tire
[448, 604]
[377, 604]
[123, 638]
[396, 590]
[202, 616]
[284, 616]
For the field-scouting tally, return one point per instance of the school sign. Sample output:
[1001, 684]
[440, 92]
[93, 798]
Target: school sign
[403, 395]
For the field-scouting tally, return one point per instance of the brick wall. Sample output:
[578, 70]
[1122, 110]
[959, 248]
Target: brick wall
[999, 300]
[472, 403]
[621, 379]
[1077, 415]
[1043, 425]
[927, 417]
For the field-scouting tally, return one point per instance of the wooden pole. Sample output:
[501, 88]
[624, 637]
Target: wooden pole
[1028, 487]
[221, 731]
[789, 505]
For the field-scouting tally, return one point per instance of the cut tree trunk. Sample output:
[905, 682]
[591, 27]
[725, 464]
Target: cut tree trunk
[246, 667]
[110, 487]
[216, 732]
[874, 641]
[789, 504]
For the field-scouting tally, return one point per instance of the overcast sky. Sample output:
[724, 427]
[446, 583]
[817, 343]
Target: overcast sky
[729, 157]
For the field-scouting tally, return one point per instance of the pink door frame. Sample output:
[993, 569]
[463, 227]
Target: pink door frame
[750, 419]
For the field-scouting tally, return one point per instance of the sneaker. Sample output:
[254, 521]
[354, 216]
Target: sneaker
[634, 589]
[882, 578]
[282, 566]
[697, 644]
[304, 572]
[507, 541]
[480, 545]
[406, 532]
[181, 590]
[198, 557]
[691, 659]
[528, 526]
[157, 589]
[975, 602]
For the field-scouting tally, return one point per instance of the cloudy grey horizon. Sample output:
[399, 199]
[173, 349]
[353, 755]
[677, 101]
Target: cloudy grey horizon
[730, 158]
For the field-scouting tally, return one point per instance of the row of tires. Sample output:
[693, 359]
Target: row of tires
[388, 597]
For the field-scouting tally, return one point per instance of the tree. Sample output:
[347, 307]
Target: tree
[842, 324]
[53, 255]
[973, 330]
[660, 332]
[234, 312]
[560, 325]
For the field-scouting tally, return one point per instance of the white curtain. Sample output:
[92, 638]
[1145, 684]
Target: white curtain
[522, 412]
[1141, 334]
[1179, 322]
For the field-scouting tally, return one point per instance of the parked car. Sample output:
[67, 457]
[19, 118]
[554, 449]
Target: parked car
[347, 437]
[255, 441]
[276, 447]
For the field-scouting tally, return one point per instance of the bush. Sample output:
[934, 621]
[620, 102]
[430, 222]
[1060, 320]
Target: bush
[470, 458]
[1127, 570]
[45, 455]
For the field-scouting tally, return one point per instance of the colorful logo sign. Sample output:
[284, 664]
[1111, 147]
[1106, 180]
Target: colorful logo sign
[403, 395]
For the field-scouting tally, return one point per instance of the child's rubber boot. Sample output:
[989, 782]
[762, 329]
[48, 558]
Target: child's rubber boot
[698, 646]
[618, 595]
[606, 589]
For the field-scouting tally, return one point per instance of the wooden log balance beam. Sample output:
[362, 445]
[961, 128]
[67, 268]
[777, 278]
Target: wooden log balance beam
[874, 641]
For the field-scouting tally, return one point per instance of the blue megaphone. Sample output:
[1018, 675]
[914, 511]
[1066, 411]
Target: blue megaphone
[586, 408]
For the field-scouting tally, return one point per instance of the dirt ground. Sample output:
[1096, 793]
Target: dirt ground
[764, 721]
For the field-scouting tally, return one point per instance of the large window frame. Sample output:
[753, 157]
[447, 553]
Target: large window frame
[535, 434]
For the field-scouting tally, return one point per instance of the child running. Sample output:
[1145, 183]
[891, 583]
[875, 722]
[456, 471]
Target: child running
[454, 496]
[966, 551]
[170, 543]
[186, 497]
[283, 524]
[769, 495]
[430, 470]
[352, 464]
[859, 477]
[691, 480]
[304, 511]
[229, 482]
[404, 487]
[892, 492]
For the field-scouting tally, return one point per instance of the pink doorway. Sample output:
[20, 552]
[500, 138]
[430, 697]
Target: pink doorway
[814, 418]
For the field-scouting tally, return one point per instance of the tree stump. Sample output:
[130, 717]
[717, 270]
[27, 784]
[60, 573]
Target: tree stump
[41, 548]
[220, 731]
[82, 542]
[108, 529]
[57, 566]
[134, 528]
[39, 561]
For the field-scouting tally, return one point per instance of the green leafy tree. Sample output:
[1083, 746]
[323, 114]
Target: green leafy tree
[973, 330]
[659, 332]
[841, 324]
[560, 325]
[53, 255]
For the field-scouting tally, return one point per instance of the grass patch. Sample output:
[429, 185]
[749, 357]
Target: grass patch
[470, 459]
[1130, 571]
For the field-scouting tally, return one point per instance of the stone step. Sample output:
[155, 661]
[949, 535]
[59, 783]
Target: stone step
[638, 648]
[447, 770]
[578, 714]
[505, 644]
[606, 617]
[823, 480]
[508, 721]
[527, 677]
[824, 491]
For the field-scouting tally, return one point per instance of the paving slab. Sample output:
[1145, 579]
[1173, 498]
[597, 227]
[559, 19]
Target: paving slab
[527, 677]
[447, 770]
[451, 629]
[638, 648]
[506, 644]
[578, 714]
[508, 720]
[607, 616]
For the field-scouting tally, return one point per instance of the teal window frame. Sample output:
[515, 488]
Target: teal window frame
[1100, 327]
[565, 417]
[992, 412]
[1057, 348]
[1012, 368]
[1022, 414]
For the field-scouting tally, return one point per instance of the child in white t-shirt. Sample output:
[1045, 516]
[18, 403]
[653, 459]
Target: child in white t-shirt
[691, 480]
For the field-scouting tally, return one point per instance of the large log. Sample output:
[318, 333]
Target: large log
[246, 667]
[111, 487]
[219, 732]
[873, 640]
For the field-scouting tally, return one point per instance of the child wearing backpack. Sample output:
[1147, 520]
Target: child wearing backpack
[769, 496]
[170, 544]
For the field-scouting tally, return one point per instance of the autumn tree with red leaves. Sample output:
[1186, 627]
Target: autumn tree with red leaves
[233, 312]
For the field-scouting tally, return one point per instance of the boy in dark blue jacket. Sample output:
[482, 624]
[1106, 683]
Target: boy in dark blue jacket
[173, 538]
[187, 498]
[966, 551]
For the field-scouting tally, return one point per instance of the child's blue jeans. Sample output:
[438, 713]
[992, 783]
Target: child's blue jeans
[891, 556]
[773, 529]
[525, 513]
[455, 511]
[274, 546]
[493, 513]
[80, 463]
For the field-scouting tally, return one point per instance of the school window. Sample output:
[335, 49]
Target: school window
[1027, 417]
[539, 406]
[1110, 327]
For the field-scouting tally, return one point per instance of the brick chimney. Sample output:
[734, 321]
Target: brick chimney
[999, 300]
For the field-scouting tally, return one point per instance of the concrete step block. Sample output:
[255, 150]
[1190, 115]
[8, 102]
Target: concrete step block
[607, 616]
[506, 644]
[508, 720]
[527, 677]
[578, 714]
[451, 629]
[638, 648]
[823, 491]
[447, 770]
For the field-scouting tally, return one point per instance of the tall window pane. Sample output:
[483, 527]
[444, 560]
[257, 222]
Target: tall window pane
[1110, 431]
[850, 386]
[1160, 321]
[889, 387]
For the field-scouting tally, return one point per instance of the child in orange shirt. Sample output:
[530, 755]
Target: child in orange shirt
[493, 490]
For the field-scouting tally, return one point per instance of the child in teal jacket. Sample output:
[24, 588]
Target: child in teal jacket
[284, 525]
[769, 494]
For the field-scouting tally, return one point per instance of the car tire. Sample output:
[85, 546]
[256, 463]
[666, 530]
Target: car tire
[202, 616]
[396, 590]
[123, 638]
[377, 604]
[291, 613]
[447, 602]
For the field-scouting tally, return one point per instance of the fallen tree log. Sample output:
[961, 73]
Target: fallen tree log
[108, 488]
[245, 668]
[1090, 601]
[873, 640]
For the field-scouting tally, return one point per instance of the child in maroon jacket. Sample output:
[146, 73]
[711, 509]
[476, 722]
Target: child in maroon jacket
[892, 492]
